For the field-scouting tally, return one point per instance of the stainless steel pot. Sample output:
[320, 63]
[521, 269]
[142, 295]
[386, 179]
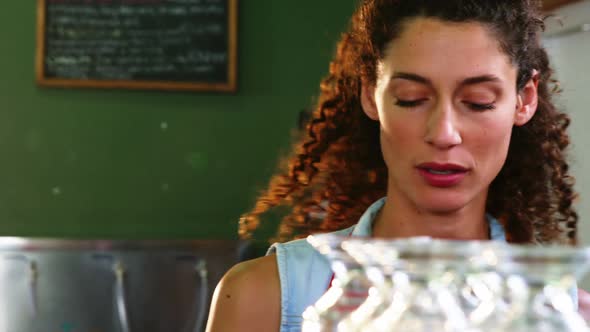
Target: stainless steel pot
[109, 286]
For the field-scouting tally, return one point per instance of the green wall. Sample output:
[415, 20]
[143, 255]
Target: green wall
[137, 164]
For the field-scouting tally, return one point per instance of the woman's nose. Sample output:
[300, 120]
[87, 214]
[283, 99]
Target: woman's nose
[441, 128]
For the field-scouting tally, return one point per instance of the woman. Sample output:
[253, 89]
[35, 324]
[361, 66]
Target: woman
[436, 119]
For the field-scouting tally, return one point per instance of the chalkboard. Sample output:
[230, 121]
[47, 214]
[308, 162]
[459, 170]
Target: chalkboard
[141, 44]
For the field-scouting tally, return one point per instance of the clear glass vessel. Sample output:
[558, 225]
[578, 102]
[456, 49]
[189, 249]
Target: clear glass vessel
[348, 290]
[423, 284]
[542, 281]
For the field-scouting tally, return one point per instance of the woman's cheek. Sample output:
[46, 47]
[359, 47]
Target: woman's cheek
[400, 136]
[490, 141]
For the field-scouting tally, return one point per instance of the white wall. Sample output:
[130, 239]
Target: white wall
[569, 48]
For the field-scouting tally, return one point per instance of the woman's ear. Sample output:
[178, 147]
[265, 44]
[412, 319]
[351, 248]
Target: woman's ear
[368, 101]
[527, 101]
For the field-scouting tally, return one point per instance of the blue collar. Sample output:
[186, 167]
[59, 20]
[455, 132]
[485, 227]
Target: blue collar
[365, 224]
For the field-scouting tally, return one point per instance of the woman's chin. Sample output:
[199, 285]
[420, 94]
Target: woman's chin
[442, 204]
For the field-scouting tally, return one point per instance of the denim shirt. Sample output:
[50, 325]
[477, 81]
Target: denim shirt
[305, 274]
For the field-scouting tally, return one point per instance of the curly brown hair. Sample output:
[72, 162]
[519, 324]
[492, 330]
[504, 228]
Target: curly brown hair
[337, 169]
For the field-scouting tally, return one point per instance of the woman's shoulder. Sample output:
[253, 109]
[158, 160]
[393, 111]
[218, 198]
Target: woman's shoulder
[303, 245]
[263, 267]
[247, 298]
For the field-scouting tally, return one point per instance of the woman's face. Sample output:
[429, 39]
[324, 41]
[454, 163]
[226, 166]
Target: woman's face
[446, 100]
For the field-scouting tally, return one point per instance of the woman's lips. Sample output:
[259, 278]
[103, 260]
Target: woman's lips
[442, 174]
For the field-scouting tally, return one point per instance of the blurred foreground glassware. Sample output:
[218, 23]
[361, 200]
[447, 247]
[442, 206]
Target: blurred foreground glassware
[378, 259]
[426, 286]
[541, 281]
[423, 284]
[348, 290]
[482, 292]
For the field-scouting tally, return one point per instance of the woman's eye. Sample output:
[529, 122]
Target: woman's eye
[409, 103]
[481, 107]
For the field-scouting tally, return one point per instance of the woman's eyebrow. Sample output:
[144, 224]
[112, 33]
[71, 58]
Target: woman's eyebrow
[411, 77]
[480, 79]
[467, 81]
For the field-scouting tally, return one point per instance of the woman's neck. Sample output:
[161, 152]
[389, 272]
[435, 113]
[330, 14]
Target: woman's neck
[398, 219]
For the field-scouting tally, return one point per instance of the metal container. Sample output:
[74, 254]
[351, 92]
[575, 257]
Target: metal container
[109, 286]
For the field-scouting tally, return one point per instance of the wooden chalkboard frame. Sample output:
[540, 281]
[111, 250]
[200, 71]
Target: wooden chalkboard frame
[229, 86]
